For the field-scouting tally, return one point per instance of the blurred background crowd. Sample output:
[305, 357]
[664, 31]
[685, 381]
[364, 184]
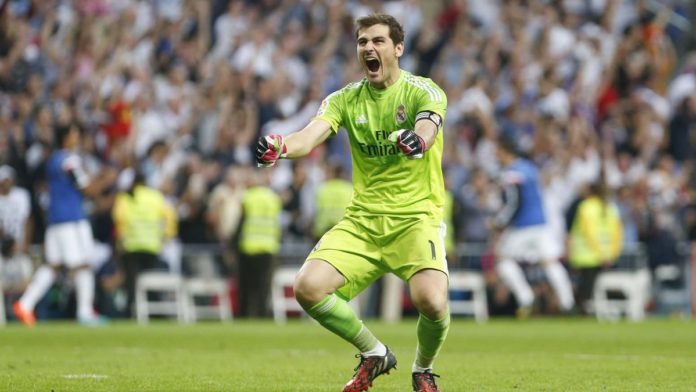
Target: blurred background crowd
[179, 91]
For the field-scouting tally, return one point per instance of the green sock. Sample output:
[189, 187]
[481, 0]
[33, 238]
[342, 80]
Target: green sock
[336, 315]
[431, 336]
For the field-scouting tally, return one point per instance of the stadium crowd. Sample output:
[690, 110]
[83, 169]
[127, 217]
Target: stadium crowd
[179, 90]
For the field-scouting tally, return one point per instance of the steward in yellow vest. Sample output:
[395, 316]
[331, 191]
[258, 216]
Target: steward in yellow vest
[596, 238]
[259, 241]
[333, 197]
[260, 229]
[143, 220]
[596, 234]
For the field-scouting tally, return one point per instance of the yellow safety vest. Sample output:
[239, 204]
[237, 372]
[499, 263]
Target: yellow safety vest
[596, 234]
[260, 232]
[143, 219]
[333, 197]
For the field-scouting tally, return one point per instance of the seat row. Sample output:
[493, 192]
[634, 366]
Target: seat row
[187, 299]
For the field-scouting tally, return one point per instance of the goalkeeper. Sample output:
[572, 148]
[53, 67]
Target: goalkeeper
[394, 223]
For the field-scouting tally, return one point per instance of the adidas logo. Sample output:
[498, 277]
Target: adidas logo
[361, 119]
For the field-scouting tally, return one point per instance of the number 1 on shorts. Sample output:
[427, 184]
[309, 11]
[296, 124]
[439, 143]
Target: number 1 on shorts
[432, 249]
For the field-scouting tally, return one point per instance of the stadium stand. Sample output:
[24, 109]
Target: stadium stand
[180, 89]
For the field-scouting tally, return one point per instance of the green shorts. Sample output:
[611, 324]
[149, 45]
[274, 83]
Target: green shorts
[364, 248]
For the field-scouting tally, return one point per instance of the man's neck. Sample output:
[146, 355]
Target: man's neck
[388, 83]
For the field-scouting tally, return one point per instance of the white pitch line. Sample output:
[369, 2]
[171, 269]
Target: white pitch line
[81, 376]
[625, 357]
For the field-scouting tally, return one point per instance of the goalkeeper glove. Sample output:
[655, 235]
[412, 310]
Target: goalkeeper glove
[412, 145]
[269, 149]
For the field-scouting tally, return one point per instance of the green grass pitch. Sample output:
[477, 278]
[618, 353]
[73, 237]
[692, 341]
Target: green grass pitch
[502, 355]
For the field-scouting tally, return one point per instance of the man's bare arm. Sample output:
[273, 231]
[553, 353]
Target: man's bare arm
[302, 142]
[296, 145]
[427, 130]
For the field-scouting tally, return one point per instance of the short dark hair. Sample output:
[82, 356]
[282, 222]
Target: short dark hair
[336, 169]
[509, 144]
[61, 132]
[396, 31]
[139, 177]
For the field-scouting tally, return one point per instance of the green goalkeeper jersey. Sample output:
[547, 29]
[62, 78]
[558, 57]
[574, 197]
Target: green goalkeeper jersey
[385, 181]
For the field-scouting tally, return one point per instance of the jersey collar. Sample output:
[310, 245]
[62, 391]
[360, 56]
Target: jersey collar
[385, 92]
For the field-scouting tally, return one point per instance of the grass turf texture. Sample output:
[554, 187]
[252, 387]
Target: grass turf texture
[503, 355]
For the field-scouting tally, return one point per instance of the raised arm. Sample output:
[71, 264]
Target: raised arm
[90, 186]
[413, 143]
[427, 130]
[296, 145]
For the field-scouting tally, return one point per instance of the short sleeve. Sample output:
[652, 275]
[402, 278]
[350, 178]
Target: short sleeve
[330, 110]
[511, 177]
[432, 98]
[74, 167]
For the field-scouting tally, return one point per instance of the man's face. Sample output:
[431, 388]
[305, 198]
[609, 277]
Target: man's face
[379, 56]
[73, 138]
[5, 186]
[499, 155]
[503, 156]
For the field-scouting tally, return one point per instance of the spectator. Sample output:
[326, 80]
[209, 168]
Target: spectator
[192, 182]
[478, 204]
[259, 243]
[15, 233]
[143, 220]
[224, 212]
[595, 239]
[571, 80]
[15, 209]
[681, 130]
[294, 199]
[332, 199]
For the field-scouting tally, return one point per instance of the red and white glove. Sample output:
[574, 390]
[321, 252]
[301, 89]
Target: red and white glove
[412, 145]
[269, 149]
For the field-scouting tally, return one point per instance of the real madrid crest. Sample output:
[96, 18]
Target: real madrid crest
[401, 114]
